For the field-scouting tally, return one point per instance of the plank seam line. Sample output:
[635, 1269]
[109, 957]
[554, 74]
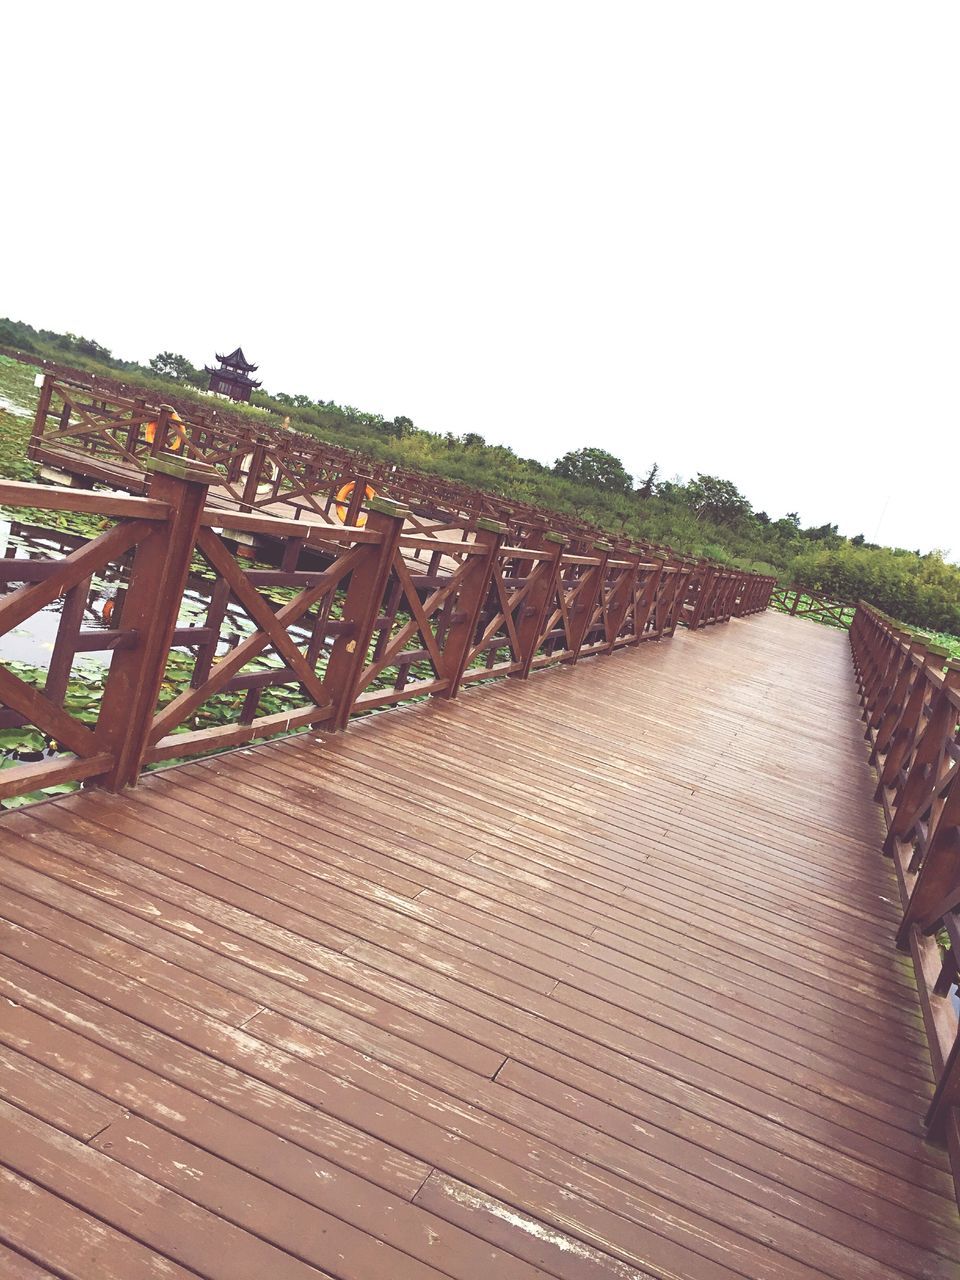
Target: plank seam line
[111, 1226]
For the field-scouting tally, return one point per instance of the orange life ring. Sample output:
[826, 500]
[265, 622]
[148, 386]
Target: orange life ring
[344, 494]
[179, 436]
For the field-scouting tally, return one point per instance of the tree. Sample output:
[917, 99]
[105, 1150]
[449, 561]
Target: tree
[473, 441]
[594, 466]
[715, 499]
[11, 338]
[401, 426]
[788, 526]
[647, 488]
[170, 365]
[88, 347]
[823, 533]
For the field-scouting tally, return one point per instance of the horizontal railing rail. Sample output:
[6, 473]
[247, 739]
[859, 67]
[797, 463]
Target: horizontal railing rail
[910, 691]
[202, 649]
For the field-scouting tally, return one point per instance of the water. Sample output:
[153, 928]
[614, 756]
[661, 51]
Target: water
[33, 642]
[18, 410]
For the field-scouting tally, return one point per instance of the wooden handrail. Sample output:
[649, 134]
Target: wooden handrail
[379, 616]
[910, 692]
[107, 432]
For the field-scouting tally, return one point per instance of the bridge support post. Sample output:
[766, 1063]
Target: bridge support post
[645, 597]
[150, 610]
[357, 498]
[361, 608]
[40, 420]
[538, 599]
[616, 604]
[473, 593]
[251, 484]
[590, 593]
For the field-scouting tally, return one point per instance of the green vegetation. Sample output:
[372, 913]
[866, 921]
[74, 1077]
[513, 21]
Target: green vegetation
[942, 638]
[705, 516]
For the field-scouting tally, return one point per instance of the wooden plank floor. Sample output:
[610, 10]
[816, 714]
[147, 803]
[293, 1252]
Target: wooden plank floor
[588, 977]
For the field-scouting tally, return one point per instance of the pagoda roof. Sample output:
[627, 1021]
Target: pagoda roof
[233, 375]
[238, 360]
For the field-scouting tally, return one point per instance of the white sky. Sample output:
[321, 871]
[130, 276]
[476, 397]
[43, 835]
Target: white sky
[719, 236]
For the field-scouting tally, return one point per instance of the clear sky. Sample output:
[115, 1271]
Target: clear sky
[724, 237]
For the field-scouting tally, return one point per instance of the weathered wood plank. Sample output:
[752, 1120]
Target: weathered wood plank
[590, 976]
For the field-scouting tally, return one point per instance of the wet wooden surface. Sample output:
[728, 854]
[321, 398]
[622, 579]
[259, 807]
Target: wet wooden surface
[587, 977]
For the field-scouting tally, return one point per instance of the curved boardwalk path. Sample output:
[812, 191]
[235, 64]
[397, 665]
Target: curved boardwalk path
[587, 977]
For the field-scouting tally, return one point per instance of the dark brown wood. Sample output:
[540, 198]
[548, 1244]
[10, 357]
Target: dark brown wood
[453, 607]
[25, 778]
[361, 608]
[100, 430]
[402, 1001]
[910, 695]
[542, 591]
[14, 493]
[151, 607]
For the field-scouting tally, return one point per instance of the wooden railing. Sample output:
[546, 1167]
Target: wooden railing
[107, 436]
[801, 603]
[350, 619]
[910, 692]
[107, 432]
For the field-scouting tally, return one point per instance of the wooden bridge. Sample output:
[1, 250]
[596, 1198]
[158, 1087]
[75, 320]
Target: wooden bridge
[584, 962]
[591, 975]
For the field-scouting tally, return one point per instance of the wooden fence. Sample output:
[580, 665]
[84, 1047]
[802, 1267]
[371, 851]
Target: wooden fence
[108, 433]
[352, 618]
[910, 692]
[801, 603]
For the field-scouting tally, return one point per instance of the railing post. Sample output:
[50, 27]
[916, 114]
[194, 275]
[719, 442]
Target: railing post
[151, 608]
[158, 444]
[706, 576]
[257, 456]
[645, 597]
[40, 418]
[618, 601]
[538, 600]
[357, 498]
[587, 597]
[361, 608]
[136, 425]
[473, 592]
[677, 601]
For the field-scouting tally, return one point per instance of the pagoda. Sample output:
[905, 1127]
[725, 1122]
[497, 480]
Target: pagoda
[233, 377]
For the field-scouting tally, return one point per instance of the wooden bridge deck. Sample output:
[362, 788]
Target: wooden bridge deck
[586, 977]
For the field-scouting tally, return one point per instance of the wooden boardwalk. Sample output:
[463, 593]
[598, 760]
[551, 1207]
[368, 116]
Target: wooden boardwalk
[589, 976]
